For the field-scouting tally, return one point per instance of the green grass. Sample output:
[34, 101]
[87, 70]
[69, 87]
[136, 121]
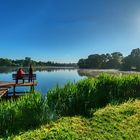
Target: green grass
[25, 113]
[78, 98]
[115, 122]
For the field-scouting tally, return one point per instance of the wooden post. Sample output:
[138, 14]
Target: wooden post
[14, 90]
[7, 94]
[30, 88]
[33, 89]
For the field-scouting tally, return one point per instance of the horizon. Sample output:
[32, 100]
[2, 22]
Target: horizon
[65, 31]
[62, 62]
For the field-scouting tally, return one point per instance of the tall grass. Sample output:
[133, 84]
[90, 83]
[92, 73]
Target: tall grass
[79, 98]
[114, 122]
[25, 113]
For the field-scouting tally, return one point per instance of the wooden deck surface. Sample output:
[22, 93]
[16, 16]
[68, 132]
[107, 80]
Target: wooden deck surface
[3, 91]
[7, 84]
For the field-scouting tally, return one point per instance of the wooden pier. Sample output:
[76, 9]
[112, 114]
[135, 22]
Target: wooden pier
[3, 92]
[4, 86]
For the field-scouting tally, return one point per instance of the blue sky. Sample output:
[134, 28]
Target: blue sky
[66, 30]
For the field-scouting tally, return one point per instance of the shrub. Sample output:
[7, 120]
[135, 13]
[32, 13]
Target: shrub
[25, 113]
[62, 100]
[114, 122]
[79, 98]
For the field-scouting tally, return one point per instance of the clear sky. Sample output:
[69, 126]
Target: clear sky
[66, 30]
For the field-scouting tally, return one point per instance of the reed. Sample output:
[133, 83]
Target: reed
[27, 112]
[79, 98]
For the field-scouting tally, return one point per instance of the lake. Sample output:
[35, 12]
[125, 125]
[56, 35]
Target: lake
[46, 78]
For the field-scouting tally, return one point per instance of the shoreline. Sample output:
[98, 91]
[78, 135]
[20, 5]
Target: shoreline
[95, 72]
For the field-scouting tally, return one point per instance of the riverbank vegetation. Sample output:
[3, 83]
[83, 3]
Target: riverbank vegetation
[27, 61]
[76, 111]
[114, 122]
[79, 98]
[114, 60]
[25, 113]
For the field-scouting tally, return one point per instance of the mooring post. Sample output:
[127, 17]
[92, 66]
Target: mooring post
[32, 88]
[7, 94]
[14, 90]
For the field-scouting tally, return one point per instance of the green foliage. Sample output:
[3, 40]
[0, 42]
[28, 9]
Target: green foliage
[114, 122]
[112, 61]
[105, 89]
[30, 111]
[62, 100]
[4, 62]
[27, 61]
[97, 61]
[132, 61]
[25, 113]
[79, 98]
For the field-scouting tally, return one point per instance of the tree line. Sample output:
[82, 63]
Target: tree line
[115, 60]
[27, 61]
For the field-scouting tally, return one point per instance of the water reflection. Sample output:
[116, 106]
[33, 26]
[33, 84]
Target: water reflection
[47, 78]
[7, 69]
[40, 69]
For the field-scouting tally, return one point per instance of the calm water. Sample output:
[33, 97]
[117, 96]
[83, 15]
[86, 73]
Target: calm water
[46, 78]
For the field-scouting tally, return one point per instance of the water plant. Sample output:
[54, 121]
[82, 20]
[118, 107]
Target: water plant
[114, 122]
[31, 111]
[25, 113]
[80, 98]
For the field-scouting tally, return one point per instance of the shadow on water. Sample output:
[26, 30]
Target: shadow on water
[7, 69]
[47, 77]
[40, 69]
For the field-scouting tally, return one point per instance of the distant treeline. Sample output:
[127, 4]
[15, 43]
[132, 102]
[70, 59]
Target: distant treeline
[114, 60]
[27, 61]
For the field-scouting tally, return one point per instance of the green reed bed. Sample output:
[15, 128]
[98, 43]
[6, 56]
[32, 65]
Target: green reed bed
[114, 122]
[79, 98]
[24, 113]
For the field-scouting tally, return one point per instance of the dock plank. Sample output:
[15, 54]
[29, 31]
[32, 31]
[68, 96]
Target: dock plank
[7, 85]
[2, 84]
[3, 91]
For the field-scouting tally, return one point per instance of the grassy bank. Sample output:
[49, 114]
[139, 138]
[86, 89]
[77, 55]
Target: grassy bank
[112, 122]
[79, 98]
[27, 112]
[76, 99]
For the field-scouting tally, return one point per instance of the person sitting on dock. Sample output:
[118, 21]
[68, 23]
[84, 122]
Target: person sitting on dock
[30, 73]
[20, 74]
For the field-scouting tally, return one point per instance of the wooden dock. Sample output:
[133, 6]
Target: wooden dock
[3, 92]
[7, 85]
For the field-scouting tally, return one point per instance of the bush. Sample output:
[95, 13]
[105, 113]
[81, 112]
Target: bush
[62, 100]
[25, 113]
[79, 98]
[114, 122]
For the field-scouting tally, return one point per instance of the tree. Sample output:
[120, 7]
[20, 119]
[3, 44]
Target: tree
[27, 61]
[82, 63]
[126, 63]
[5, 62]
[116, 60]
[94, 61]
[97, 61]
[132, 61]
